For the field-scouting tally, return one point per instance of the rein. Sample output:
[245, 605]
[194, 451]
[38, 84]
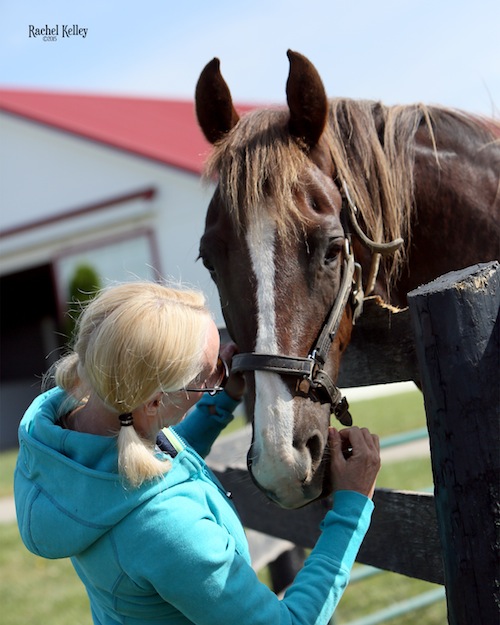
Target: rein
[377, 249]
[312, 380]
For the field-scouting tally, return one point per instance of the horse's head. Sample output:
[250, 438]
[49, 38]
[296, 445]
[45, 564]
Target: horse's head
[276, 246]
[276, 242]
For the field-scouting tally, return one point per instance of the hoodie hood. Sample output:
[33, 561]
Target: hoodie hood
[67, 489]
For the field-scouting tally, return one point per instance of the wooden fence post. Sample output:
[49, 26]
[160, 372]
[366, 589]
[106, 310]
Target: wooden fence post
[456, 324]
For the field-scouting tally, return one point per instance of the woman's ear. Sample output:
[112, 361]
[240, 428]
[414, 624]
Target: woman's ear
[152, 405]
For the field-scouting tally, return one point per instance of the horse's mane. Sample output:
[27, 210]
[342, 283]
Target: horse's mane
[372, 146]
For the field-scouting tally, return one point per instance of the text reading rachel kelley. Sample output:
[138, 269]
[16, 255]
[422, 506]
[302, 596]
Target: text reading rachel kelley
[51, 33]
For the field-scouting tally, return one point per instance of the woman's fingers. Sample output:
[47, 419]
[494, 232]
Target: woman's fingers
[355, 459]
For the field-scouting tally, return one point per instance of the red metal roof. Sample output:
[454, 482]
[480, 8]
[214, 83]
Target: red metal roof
[162, 130]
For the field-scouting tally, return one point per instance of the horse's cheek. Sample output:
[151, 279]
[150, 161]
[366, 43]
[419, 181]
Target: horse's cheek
[344, 336]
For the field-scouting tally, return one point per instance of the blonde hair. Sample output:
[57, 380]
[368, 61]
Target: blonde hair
[131, 341]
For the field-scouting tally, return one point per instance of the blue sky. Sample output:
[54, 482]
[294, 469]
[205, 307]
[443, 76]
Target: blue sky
[398, 51]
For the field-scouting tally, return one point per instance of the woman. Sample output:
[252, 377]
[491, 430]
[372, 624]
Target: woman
[151, 533]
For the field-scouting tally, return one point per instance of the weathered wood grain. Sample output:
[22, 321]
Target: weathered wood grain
[457, 330]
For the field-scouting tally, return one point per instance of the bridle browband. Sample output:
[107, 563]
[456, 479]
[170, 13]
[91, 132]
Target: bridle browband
[312, 380]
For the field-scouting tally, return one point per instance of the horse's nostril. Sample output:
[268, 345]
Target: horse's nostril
[315, 447]
[310, 455]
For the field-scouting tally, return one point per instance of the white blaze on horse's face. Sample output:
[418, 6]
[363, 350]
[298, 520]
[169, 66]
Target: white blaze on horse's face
[277, 466]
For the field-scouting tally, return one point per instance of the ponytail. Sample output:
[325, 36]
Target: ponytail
[136, 458]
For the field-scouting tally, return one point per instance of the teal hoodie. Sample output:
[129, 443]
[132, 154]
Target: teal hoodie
[172, 551]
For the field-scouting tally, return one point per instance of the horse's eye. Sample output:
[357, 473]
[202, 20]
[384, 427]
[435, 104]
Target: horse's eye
[333, 250]
[206, 263]
[314, 204]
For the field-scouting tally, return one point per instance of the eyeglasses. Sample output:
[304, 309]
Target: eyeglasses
[215, 382]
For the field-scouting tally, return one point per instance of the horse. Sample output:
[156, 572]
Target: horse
[317, 204]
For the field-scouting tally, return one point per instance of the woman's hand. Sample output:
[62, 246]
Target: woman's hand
[355, 459]
[235, 385]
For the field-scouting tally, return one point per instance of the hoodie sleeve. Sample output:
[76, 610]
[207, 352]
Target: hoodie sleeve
[206, 420]
[211, 584]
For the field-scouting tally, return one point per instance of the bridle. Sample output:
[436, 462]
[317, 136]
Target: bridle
[312, 380]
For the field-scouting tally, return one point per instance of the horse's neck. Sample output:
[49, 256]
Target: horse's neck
[456, 218]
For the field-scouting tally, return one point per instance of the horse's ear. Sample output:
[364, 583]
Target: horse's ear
[214, 105]
[306, 99]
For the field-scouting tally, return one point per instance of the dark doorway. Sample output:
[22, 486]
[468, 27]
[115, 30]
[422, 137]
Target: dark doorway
[29, 342]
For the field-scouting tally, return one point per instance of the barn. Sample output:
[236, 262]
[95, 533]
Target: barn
[91, 185]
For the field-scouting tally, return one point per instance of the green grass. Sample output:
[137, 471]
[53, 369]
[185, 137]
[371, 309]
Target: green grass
[7, 464]
[412, 474]
[383, 590]
[389, 415]
[34, 590]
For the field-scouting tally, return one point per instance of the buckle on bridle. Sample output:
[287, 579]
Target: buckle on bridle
[318, 386]
[307, 384]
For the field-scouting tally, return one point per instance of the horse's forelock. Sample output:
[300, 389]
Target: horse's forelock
[257, 166]
[259, 159]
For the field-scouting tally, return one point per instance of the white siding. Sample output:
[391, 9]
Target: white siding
[47, 173]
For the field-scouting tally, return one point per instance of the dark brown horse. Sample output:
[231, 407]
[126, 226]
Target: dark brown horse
[306, 198]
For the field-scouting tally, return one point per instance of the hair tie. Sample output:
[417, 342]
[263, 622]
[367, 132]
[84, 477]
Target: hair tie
[126, 419]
